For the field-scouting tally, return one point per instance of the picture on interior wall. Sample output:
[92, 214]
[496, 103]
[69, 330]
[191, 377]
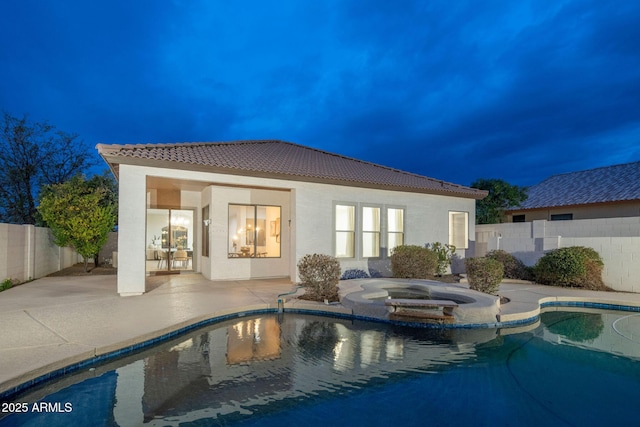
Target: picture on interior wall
[275, 228]
[249, 232]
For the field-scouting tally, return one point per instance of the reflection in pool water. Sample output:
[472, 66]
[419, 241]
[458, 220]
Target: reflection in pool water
[571, 369]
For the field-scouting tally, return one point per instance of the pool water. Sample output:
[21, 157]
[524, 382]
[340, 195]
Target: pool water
[571, 369]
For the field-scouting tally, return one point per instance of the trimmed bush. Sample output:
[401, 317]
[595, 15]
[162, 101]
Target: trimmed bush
[413, 262]
[513, 267]
[484, 274]
[575, 266]
[354, 273]
[319, 274]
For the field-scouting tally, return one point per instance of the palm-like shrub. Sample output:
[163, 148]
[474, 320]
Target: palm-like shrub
[444, 254]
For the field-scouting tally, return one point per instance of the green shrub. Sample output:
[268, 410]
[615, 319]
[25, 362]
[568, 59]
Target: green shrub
[513, 267]
[444, 254]
[6, 284]
[484, 274]
[319, 274]
[575, 266]
[413, 262]
[593, 278]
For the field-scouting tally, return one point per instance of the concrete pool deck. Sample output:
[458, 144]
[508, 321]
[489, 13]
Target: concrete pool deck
[54, 322]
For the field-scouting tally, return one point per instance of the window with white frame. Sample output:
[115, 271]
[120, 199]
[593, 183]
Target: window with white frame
[370, 232]
[345, 230]
[459, 229]
[395, 228]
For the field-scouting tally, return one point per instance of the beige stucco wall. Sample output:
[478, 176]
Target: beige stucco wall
[309, 206]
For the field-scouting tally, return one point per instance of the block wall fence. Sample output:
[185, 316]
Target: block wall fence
[28, 252]
[617, 240]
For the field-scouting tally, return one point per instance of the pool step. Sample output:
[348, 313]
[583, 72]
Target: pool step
[431, 311]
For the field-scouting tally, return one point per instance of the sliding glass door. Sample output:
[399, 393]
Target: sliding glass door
[170, 240]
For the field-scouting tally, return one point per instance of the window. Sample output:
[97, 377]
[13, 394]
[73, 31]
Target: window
[254, 231]
[345, 229]
[395, 228]
[364, 234]
[518, 218]
[370, 232]
[205, 231]
[562, 217]
[459, 229]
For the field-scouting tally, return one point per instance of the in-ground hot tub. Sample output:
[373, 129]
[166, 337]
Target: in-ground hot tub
[473, 307]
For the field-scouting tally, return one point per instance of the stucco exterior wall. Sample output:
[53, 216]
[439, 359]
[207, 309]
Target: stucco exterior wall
[426, 219]
[617, 240]
[309, 207]
[224, 268]
[131, 230]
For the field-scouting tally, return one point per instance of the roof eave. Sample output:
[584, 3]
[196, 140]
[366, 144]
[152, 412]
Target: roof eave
[114, 161]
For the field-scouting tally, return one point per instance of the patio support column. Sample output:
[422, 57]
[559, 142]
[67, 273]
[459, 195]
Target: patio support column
[131, 231]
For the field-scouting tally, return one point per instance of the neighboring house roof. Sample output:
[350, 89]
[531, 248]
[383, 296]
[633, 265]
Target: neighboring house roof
[278, 159]
[602, 185]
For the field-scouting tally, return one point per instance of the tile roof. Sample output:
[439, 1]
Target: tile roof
[607, 184]
[278, 159]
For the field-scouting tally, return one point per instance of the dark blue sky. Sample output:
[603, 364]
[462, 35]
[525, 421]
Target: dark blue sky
[455, 90]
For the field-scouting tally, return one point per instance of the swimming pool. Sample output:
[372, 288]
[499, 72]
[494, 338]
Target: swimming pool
[572, 368]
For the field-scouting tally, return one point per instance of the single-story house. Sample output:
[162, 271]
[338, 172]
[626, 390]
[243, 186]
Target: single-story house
[606, 192]
[252, 209]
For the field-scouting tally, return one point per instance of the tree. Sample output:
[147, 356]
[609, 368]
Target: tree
[34, 154]
[106, 183]
[79, 215]
[502, 196]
